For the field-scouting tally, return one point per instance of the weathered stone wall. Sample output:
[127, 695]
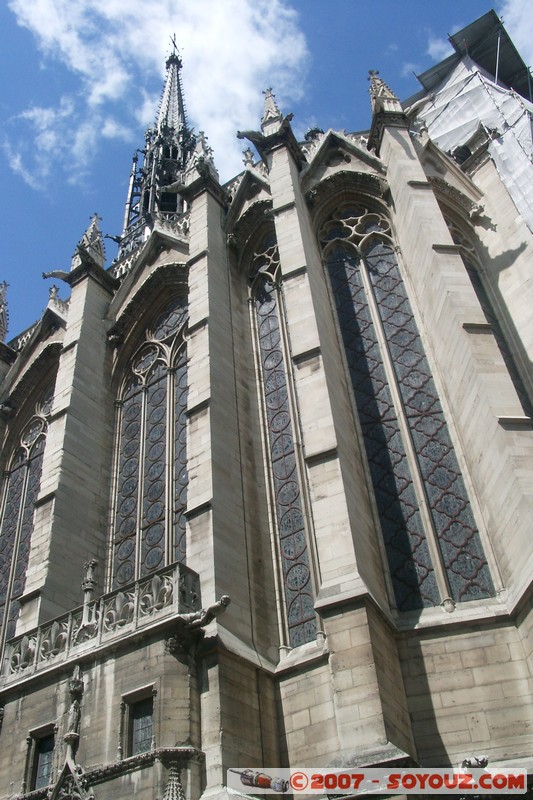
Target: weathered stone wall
[469, 693]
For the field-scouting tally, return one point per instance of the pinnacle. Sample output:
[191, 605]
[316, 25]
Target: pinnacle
[382, 97]
[271, 113]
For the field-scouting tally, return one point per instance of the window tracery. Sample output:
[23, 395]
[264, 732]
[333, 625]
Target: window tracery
[21, 487]
[383, 350]
[151, 496]
[293, 551]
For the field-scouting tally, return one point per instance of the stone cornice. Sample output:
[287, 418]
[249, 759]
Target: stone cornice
[166, 755]
[445, 190]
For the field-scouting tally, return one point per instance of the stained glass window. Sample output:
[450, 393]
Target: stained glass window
[20, 493]
[293, 548]
[370, 297]
[151, 498]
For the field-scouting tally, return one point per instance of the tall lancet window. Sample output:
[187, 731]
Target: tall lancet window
[21, 487]
[151, 474]
[287, 501]
[431, 540]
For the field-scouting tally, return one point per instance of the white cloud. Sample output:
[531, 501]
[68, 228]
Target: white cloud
[409, 68]
[438, 49]
[112, 129]
[116, 48]
[518, 21]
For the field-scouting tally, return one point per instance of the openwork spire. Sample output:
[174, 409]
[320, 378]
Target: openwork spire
[154, 186]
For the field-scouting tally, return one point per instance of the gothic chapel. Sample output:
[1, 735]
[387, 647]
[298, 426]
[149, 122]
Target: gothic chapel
[267, 478]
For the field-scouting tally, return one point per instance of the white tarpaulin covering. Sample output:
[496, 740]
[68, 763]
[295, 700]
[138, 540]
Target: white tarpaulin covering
[469, 97]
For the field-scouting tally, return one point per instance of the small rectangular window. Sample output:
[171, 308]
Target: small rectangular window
[141, 726]
[42, 761]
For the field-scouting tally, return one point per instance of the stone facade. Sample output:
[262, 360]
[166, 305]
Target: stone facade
[310, 390]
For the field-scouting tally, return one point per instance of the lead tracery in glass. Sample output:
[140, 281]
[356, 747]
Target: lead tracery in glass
[21, 487]
[291, 533]
[149, 526]
[361, 262]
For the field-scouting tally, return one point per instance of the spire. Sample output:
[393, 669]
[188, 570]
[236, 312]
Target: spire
[154, 185]
[171, 108]
[4, 314]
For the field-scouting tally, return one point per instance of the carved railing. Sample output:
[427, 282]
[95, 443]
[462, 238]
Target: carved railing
[174, 590]
[18, 343]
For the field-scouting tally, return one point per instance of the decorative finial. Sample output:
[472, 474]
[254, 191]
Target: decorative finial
[174, 788]
[248, 159]
[201, 161]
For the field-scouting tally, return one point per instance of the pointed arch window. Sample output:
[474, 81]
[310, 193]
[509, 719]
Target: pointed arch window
[288, 505]
[421, 499]
[151, 472]
[21, 487]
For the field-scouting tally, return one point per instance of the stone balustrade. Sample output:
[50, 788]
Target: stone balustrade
[123, 612]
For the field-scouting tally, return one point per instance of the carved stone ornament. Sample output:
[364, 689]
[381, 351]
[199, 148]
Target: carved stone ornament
[174, 788]
[188, 626]
[71, 783]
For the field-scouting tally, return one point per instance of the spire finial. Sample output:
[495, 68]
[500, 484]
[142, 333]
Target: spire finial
[174, 57]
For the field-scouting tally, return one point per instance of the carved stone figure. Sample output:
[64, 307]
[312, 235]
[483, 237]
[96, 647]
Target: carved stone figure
[199, 619]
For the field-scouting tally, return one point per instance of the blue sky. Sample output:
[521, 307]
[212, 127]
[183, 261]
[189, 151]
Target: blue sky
[81, 79]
